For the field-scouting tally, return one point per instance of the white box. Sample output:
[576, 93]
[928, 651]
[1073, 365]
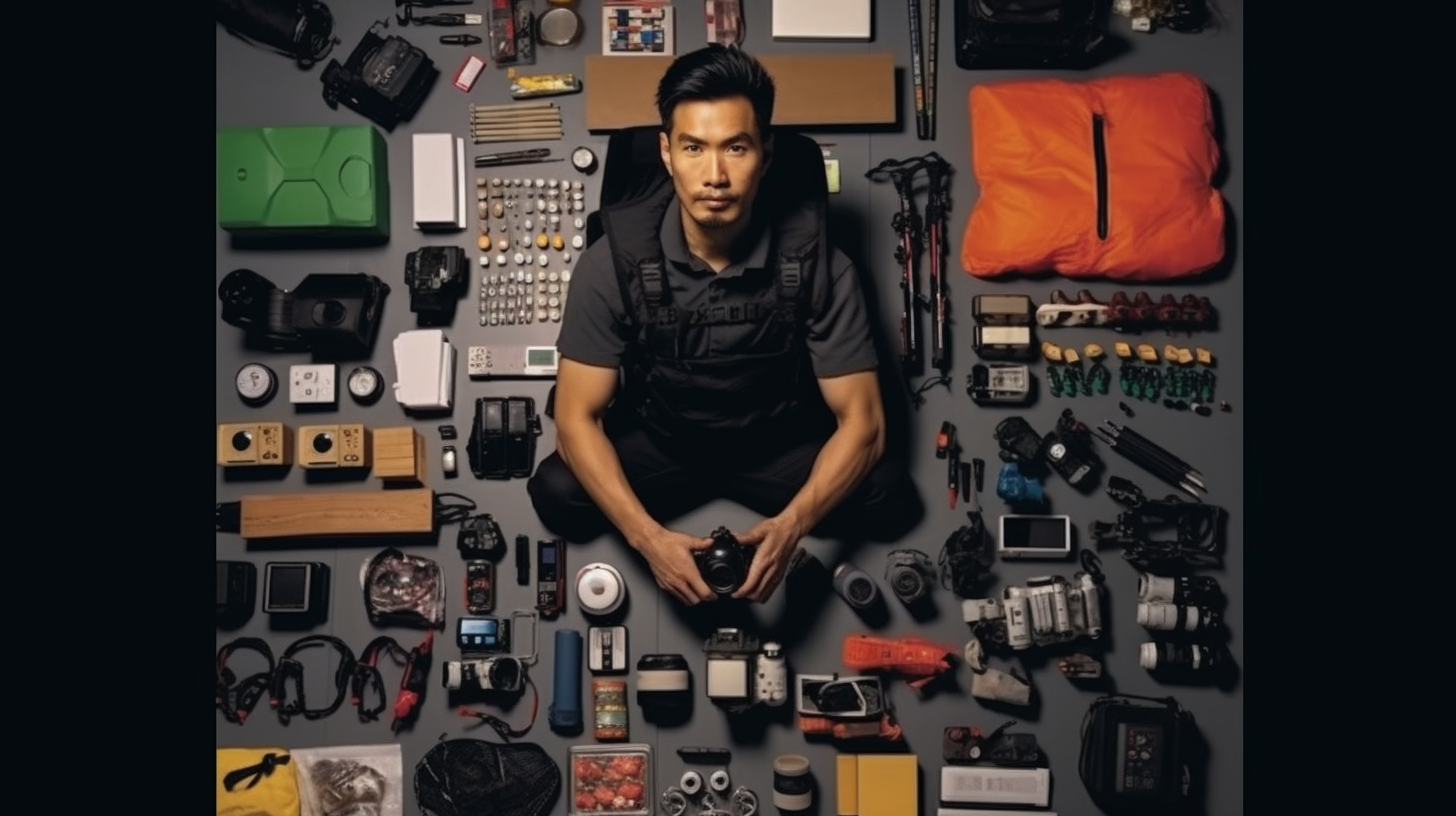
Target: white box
[439, 181]
[424, 363]
[822, 19]
[312, 384]
[986, 785]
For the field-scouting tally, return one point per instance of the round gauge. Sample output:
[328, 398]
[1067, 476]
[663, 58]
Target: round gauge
[256, 383]
[583, 159]
[365, 385]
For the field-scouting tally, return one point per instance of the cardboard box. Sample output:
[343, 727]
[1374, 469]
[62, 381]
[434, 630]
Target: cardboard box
[817, 89]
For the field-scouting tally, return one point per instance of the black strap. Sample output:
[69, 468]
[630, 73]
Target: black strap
[290, 669]
[257, 772]
[366, 677]
[236, 699]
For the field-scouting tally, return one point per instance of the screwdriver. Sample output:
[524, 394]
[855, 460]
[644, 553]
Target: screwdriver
[460, 39]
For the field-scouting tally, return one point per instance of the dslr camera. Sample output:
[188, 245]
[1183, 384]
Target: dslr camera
[1065, 450]
[492, 674]
[910, 574]
[724, 565]
[741, 674]
[1047, 611]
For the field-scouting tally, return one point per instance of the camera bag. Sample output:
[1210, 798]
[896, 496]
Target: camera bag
[464, 777]
[1028, 33]
[1134, 755]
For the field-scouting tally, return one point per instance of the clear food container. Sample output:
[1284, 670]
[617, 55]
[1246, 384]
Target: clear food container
[615, 780]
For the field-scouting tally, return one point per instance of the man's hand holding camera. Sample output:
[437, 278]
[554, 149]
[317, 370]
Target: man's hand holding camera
[773, 541]
[670, 554]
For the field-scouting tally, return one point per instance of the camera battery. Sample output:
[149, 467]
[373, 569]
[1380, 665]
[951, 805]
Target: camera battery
[1002, 342]
[1003, 310]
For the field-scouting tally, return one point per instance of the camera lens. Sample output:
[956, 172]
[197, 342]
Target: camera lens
[505, 674]
[907, 584]
[855, 586]
[723, 570]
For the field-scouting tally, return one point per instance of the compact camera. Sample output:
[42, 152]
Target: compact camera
[494, 674]
[1064, 450]
[829, 695]
[1047, 611]
[910, 574]
[437, 277]
[740, 674]
[724, 564]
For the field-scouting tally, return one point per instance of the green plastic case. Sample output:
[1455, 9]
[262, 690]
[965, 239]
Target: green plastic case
[305, 182]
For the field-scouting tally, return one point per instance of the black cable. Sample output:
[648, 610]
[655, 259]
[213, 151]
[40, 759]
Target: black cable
[500, 726]
[291, 669]
[366, 677]
[451, 513]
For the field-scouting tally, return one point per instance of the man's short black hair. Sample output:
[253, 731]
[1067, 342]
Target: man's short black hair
[717, 72]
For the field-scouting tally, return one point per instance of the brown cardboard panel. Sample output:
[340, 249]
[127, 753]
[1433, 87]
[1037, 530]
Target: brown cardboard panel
[812, 89]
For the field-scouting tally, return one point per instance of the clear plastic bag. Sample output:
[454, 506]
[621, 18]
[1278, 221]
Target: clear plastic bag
[350, 780]
[403, 590]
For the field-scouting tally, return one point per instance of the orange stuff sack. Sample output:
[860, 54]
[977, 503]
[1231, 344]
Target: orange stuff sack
[1109, 178]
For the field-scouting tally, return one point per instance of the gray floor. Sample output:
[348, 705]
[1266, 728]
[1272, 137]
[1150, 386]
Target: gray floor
[256, 88]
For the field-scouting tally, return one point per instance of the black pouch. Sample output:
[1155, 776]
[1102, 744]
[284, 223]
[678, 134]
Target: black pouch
[1135, 755]
[463, 777]
[1028, 33]
[386, 79]
[503, 435]
[302, 29]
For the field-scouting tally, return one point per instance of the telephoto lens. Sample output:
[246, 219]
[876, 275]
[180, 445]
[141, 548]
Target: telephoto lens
[1187, 589]
[1177, 656]
[1172, 617]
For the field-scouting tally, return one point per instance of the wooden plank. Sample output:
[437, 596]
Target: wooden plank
[811, 89]
[359, 512]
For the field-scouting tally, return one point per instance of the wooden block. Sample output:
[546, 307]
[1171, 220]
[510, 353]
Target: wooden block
[1122, 350]
[888, 785]
[1203, 355]
[1093, 351]
[358, 512]
[254, 444]
[846, 784]
[810, 89]
[399, 454]
[1147, 352]
[1051, 351]
[343, 446]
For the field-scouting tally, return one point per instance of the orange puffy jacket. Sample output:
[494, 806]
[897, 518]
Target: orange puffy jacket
[1109, 178]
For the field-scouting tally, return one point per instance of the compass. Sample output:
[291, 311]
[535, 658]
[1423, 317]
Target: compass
[256, 384]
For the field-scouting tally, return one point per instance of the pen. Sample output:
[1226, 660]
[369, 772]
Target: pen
[460, 39]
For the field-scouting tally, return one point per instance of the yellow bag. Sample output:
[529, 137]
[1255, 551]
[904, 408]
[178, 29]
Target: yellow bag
[256, 782]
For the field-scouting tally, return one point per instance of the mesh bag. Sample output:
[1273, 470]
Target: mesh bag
[464, 777]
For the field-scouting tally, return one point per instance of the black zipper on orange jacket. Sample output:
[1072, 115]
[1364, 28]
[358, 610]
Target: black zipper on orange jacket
[1099, 155]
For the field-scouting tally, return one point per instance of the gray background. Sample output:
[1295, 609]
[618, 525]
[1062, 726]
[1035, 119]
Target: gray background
[256, 88]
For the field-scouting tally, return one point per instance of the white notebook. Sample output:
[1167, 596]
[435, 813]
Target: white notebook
[821, 19]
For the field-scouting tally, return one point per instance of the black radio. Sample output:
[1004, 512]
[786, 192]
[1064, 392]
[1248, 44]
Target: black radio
[502, 440]
[386, 79]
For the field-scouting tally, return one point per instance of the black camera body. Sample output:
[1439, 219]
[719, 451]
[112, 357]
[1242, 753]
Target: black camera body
[724, 565]
[437, 278]
[1063, 450]
[385, 78]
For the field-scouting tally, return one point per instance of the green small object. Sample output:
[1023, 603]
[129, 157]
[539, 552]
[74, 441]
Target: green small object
[1075, 381]
[1054, 377]
[1099, 377]
[1155, 384]
[1205, 387]
[1125, 379]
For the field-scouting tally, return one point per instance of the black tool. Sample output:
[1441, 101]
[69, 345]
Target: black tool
[907, 223]
[1146, 461]
[460, 39]
[930, 61]
[513, 157]
[937, 171]
[917, 71]
[523, 560]
[948, 447]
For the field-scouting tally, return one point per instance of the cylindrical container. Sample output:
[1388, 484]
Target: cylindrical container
[1184, 656]
[793, 787]
[1091, 605]
[564, 715]
[1171, 617]
[1186, 589]
[855, 586]
[1018, 614]
[600, 589]
[663, 684]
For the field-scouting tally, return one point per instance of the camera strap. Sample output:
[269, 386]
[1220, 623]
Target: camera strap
[500, 726]
[237, 698]
[367, 679]
[290, 669]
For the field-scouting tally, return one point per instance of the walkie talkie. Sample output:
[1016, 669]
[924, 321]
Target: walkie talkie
[550, 567]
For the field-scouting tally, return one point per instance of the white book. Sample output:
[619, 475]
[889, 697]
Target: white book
[821, 19]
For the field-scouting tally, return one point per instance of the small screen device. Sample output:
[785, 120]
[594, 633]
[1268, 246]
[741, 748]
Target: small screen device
[295, 588]
[511, 361]
[479, 587]
[1033, 536]
[606, 649]
[550, 584]
[483, 634]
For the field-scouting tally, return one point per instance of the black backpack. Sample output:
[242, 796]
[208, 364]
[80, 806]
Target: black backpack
[1029, 33]
[466, 777]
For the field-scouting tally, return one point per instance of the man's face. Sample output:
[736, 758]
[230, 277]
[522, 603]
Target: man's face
[716, 160]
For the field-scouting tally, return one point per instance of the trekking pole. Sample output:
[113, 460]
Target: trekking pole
[937, 171]
[906, 223]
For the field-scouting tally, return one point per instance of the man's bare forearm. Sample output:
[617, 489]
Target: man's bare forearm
[593, 460]
[846, 458]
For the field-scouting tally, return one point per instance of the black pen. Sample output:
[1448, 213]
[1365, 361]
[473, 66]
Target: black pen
[513, 157]
[460, 39]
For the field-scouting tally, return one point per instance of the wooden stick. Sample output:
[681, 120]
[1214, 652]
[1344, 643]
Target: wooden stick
[520, 137]
[476, 120]
[512, 106]
[489, 131]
